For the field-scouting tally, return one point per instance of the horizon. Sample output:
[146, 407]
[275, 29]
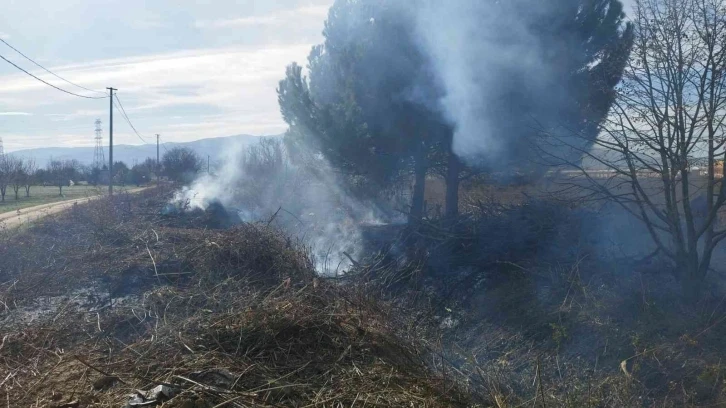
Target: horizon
[116, 145]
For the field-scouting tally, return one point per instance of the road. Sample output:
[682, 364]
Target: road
[14, 219]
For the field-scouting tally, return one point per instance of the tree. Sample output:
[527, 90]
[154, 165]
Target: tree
[119, 173]
[181, 164]
[670, 108]
[511, 67]
[141, 173]
[94, 176]
[363, 107]
[9, 167]
[375, 90]
[17, 175]
[29, 175]
[61, 172]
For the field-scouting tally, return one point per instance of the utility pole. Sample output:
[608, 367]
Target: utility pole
[98, 156]
[110, 141]
[158, 165]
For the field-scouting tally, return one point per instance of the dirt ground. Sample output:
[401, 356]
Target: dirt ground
[19, 217]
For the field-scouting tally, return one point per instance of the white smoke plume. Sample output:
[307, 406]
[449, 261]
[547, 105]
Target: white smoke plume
[261, 183]
[478, 48]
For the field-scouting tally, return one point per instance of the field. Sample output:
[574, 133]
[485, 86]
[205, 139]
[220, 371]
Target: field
[49, 194]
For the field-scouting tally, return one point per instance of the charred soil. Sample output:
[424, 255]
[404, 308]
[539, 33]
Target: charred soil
[113, 303]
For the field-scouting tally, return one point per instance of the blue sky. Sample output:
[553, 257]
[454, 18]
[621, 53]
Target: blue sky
[186, 69]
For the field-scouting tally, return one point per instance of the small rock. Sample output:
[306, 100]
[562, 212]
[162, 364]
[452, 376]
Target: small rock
[161, 393]
[135, 400]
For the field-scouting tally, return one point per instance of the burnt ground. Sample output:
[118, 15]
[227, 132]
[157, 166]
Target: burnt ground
[104, 303]
[535, 308]
[518, 304]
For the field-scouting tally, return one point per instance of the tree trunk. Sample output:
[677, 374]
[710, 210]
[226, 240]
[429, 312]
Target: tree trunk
[690, 278]
[419, 189]
[60, 189]
[691, 287]
[27, 191]
[452, 187]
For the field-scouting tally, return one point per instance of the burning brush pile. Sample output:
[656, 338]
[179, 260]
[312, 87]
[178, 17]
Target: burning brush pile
[113, 304]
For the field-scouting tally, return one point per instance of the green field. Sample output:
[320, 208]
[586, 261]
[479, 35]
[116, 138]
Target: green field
[49, 194]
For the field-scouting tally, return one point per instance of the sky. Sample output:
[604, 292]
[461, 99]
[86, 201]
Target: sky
[186, 69]
[183, 68]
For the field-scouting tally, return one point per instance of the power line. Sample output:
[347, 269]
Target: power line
[47, 70]
[128, 120]
[164, 146]
[51, 85]
[123, 113]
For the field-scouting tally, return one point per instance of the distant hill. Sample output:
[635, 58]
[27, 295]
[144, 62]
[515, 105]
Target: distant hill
[214, 147]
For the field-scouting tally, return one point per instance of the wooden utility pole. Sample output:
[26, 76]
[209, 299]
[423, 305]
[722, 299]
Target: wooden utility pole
[110, 141]
[158, 165]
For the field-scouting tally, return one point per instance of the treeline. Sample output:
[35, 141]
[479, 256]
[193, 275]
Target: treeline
[18, 175]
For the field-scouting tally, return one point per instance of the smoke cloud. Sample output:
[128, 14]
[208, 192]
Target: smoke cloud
[262, 184]
[512, 71]
[478, 49]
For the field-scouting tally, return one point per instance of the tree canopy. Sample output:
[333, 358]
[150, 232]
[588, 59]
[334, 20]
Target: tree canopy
[181, 164]
[375, 102]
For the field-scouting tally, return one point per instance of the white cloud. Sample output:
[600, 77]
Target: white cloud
[15, 114]
[278, 18]
[183, 82]
[184, 95]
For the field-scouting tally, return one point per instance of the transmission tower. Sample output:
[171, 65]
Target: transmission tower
[99, 159]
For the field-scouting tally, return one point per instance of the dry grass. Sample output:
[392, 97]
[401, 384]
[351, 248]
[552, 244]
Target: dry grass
[292, 346]
[533, 311]
[445, 316]
[111, 297]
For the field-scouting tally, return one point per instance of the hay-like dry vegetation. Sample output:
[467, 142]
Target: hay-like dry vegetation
[105, 302]
[111, 299]
[535, 309]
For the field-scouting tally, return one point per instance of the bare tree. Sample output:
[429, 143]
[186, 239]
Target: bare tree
[17, 175]
[29, 172]
[61, 172]
[670, 109]
[8, 169]
[181, 164]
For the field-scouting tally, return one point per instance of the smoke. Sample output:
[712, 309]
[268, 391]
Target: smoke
[505, 71]
[467, 45]
[262, 184]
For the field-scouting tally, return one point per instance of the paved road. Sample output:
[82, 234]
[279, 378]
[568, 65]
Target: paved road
[14, 219]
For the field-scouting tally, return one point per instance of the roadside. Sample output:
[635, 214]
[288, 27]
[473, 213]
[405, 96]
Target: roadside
[49, 194]
[16, 218]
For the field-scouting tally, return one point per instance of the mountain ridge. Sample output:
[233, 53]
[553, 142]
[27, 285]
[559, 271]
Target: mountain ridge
[215, 148]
